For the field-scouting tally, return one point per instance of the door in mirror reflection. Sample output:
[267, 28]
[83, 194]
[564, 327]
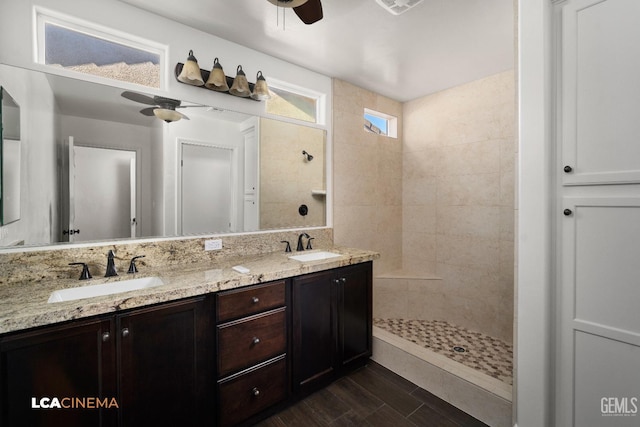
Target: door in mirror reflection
[102, 189]
[206, 190]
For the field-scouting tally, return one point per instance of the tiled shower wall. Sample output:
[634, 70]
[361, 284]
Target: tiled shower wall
[287, 179]
[459, 153]
[367, 175]
[437, 201]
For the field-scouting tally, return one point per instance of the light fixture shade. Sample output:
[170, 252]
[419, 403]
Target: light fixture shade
[190, 73]
[167, 115]
[260, 90]
[240, 86]
[217, 79]
[288, 3]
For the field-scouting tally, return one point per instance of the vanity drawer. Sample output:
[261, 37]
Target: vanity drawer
[251, 300]
[248, 341]
[242, 396]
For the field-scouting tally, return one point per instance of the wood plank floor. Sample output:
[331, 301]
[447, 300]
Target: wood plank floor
[372, 396]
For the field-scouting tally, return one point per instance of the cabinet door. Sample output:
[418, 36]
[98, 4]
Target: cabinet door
[64, 362]
[165, 374]
[600, 95]
[355, 315]
[315, 338]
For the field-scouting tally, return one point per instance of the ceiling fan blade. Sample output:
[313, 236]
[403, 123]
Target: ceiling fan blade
[148, 111]
[138, 97]
[309, 12]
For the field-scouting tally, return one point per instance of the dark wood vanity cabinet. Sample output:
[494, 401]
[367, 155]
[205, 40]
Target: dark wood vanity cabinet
[332, 324]
[155, 363]
[64, 361]
[224, 359]
[252, 351]
[165, 365]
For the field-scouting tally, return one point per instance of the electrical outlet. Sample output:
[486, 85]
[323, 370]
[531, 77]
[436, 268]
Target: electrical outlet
[213, 245]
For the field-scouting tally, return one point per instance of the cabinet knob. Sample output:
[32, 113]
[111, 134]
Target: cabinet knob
[568, 169]
[125, 332]
[567, 212]
[255, 340]
[106, 336]
[255, 391]
[255, 300]
[343, 280]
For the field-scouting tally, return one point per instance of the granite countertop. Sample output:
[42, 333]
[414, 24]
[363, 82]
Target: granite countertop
[24, 305]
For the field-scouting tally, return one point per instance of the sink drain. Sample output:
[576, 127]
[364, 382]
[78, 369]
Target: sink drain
[459, 349]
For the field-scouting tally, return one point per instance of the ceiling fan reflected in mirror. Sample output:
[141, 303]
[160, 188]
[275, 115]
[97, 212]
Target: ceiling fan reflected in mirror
[163, 108]
[309, 11]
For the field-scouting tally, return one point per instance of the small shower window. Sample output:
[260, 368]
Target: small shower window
[82, 47]
[380, 123]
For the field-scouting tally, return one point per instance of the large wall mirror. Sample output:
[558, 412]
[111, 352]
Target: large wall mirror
[10, 159]
[103, 170]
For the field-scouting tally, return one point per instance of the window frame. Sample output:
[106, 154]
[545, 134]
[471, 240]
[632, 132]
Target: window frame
[392, 122]
[320, 98]
[44, 16]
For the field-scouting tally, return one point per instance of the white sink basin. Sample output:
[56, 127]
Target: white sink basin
[104, 289]
[314, 256]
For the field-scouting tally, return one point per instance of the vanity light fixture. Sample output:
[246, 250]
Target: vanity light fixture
[191, 73]
[217, 79]
[240, 86]
[261, 89]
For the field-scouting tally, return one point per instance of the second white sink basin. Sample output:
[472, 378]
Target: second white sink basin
[315, 256]
[104, 289]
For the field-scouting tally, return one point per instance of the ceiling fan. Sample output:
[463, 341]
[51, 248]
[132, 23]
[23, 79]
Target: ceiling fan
[309, 11]
[163, 108]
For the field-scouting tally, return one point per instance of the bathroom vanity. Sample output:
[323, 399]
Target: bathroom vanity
[229, 353]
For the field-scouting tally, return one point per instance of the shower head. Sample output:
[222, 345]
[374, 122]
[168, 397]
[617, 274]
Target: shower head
[308, 156]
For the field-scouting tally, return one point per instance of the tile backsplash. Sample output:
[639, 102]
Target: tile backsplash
[53, 263]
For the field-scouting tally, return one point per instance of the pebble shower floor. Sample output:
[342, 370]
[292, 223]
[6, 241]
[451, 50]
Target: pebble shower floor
[486, 354]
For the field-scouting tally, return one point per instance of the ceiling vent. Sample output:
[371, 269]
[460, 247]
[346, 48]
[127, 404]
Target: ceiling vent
[398, 6]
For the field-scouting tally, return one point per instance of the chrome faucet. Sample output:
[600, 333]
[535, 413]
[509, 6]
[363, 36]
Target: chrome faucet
[300, 245]
[111, 266]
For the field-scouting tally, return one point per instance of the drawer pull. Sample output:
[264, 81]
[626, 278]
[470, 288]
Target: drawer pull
[255, 300]
[125, 332]
[255, 340]
[255, 391]
[106, 336]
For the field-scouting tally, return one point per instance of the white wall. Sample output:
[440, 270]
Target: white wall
[17, 45]
[534, 374]
[39, 181]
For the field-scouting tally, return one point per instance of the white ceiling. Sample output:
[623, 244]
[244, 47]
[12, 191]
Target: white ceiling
[436, 45]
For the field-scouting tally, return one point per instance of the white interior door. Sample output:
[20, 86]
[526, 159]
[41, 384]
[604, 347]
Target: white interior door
[100, 184]
[206, 189]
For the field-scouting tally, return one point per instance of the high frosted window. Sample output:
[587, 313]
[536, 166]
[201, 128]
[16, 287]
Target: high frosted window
[292, 104]
[81, 49]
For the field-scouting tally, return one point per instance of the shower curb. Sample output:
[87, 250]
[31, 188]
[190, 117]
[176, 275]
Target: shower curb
[477, 394]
